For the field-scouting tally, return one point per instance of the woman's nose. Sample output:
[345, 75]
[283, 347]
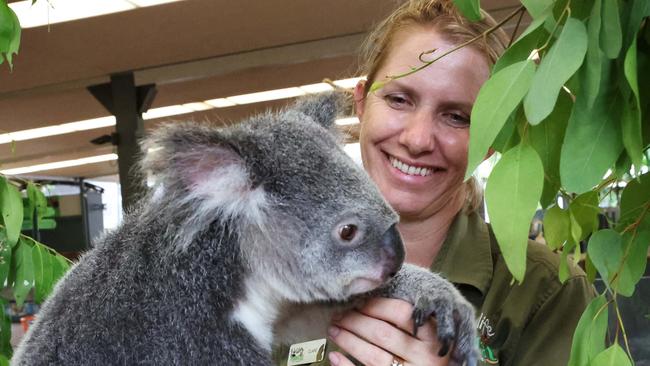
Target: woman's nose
[418, 134]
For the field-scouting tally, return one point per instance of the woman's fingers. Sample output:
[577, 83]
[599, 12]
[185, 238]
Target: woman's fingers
[357, 347]
[399, 313]
[382, 329]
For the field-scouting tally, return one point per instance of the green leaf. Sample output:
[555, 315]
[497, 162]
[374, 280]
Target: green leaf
[595, 60]
[606, 252]
[631, 117]
[525, 44]
[495, 102]
[11, 208]
[60, 266]
[469, 8]
[584, 210]
[42, 273]
[538, 8]
[635, 201]
[5, 258]
[612, 356]
[633, 13]
[636, 246]
[589, 336]
[590, 269]
[546, 138]
[5, 332]
[563, 271]
[611, 35]
[556, 227]
[9, 33]
[508, 137]
[512, 193]
[24, 280]
[592, 142]
[563, 60]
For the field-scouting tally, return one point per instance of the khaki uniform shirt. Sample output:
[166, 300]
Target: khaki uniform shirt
[519, 324]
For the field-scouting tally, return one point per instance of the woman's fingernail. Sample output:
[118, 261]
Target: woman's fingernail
[334, 358]
[333, 331]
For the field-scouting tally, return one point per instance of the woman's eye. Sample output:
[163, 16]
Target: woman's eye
[396, 101]
[458, 119]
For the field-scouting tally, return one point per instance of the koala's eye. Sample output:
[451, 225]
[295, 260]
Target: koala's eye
[348, 232]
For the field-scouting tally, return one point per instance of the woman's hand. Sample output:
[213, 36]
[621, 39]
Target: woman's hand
[381, 332]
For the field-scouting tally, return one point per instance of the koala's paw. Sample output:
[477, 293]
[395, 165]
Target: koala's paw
[433, 296]
[455, 323]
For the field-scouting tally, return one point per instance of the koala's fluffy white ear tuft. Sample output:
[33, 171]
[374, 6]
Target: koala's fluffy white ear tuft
[198, 163]
[322, 107]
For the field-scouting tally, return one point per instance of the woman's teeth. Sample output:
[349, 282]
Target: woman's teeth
[408, 169]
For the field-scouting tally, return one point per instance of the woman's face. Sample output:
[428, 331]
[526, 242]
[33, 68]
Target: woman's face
[415, 130]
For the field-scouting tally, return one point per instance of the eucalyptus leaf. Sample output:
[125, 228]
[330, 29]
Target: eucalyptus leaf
[611, 35]
[5, 331]
[612, 356]
[584, 210]
[556, 227]
[633, 12]
[512, 193]
[40, 265]
[469, 8]
[563, 270]
[592, 142]
[635, 202]
[5, 258]
[508, 137]
[24, 265]
[496, 101]
[9, 33]
[595, 61]
[546, 138]
[588, 338]
[11, 209]
[636, 250]
[590, 269]
[631, 117]
[560, 63]
[525, 44]
[606, 252]
[538, 8]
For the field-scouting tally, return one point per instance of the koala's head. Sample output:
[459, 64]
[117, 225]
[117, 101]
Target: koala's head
[309, 221]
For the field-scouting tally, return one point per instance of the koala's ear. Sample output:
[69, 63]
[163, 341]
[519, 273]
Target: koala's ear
[322, 107]
[198, 160]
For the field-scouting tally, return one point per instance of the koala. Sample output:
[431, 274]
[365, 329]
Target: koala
[245, 225]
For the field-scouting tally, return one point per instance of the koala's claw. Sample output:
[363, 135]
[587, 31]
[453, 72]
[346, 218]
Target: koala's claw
[432, 296]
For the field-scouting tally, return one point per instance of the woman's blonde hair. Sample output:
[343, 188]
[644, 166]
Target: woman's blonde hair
[443, 17]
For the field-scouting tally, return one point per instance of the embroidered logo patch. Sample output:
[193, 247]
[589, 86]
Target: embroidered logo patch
[486, 332]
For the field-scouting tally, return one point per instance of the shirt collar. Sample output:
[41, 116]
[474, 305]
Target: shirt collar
[466, 257]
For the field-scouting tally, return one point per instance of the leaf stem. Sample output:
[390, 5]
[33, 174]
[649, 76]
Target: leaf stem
[566, 10]
[454, 49]
[622, 327]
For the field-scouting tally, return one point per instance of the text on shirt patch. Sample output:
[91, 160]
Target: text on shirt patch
[485, 333]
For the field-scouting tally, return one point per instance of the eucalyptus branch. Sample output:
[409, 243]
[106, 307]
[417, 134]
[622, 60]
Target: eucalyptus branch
[514, 31]
[377, 85]
[567, 10]
[622, 327]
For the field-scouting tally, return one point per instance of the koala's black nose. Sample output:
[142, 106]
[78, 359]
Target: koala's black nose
[392, 250]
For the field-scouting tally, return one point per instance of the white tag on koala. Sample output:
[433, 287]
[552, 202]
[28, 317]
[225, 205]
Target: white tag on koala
[307, 352]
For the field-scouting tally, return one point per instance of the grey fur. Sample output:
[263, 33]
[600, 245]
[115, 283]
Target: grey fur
[241, 227]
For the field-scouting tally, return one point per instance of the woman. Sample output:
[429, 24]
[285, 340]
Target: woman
[414, 143]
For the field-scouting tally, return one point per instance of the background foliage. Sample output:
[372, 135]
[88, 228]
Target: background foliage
[26, 266]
